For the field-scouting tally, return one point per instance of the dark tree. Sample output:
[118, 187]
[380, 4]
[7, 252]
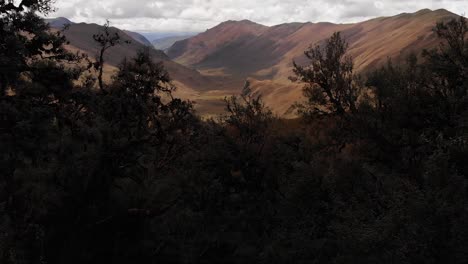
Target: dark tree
[36, 81]
[248, 115]
[127, 173]
[106, 39]
[331, 85]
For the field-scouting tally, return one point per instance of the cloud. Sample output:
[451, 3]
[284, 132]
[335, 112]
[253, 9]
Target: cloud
[198, 15]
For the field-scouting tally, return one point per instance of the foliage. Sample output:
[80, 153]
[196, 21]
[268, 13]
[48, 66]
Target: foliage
[106, 40]
[331, 85]
[374, 172]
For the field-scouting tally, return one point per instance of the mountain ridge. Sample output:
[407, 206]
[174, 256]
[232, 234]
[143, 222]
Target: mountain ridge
[190, 82]
[58, 22]
[166, 42]
[215, 63]
[138, 37]
[264, 54]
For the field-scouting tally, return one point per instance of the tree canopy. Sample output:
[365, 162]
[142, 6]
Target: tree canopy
[373, 171]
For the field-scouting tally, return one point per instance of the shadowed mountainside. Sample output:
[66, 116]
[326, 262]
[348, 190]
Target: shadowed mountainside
[243, 49]
[166, 42]
[58, 22]
[190, 83]
[214, 64]
[247, 48]
[138, 37]
[195, 50]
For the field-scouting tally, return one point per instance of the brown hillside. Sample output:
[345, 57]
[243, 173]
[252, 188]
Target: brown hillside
[138, 37]
[215, 63]
[239, 50]
[81, 36]
[194, 50]
[190, 83]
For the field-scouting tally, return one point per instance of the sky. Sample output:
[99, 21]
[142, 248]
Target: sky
[199, 15]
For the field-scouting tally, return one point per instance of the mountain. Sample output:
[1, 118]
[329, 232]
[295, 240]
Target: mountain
[244, 49]
[80, 36]
[230, 33]
[190, 83]
[166, 42]
[58, 22]
[138, 37]
[151, 36]
[214, 64]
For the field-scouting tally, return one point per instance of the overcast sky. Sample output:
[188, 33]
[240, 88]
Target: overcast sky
[199, 15]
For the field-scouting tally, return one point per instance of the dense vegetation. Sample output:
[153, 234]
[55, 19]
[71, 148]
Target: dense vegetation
[374, 171]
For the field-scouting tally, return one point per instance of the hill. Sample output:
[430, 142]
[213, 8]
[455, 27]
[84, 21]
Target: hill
[138, 37]
[214, 64]
[195, 50]
[166, 42]
[244, 49]
[58, 22]
[191, 84]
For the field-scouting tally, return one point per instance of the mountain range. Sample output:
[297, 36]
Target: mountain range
[216, 63]
[138, 37]
[190, 82]
[166, 42]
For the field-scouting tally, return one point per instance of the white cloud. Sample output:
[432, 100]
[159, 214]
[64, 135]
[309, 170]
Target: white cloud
[198, 15]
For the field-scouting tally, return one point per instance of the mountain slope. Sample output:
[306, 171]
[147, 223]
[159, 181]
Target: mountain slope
[80, 36]
[58, 22]
[196, 49]
[244, 49]
[138, 37]
[166, 42]
[214, 64]
[190, 83]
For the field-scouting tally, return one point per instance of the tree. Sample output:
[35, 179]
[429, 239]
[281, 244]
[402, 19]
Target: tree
[36, 80]
[26, 39]
[449, 63]
[414, 104]
[331, 85]
[143, 114]
[106, 40]
[128, 174]
[248, 115]
[249, 121]
[136, 136]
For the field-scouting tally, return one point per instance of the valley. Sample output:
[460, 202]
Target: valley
[214, 64]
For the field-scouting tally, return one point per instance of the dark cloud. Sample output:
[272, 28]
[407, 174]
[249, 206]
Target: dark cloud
[198, 15]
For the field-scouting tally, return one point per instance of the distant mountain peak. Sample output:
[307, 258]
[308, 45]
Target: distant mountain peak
[59, 22]
[443, 11]
[138, 37]
[426, 11]
[244, 22]
[423, 11]
[238, 26]
[64, 19]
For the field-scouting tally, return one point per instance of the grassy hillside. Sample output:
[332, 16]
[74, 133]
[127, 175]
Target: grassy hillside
[243, 49]
[191, 84]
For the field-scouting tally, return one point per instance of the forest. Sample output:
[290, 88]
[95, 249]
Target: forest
[374, 169]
